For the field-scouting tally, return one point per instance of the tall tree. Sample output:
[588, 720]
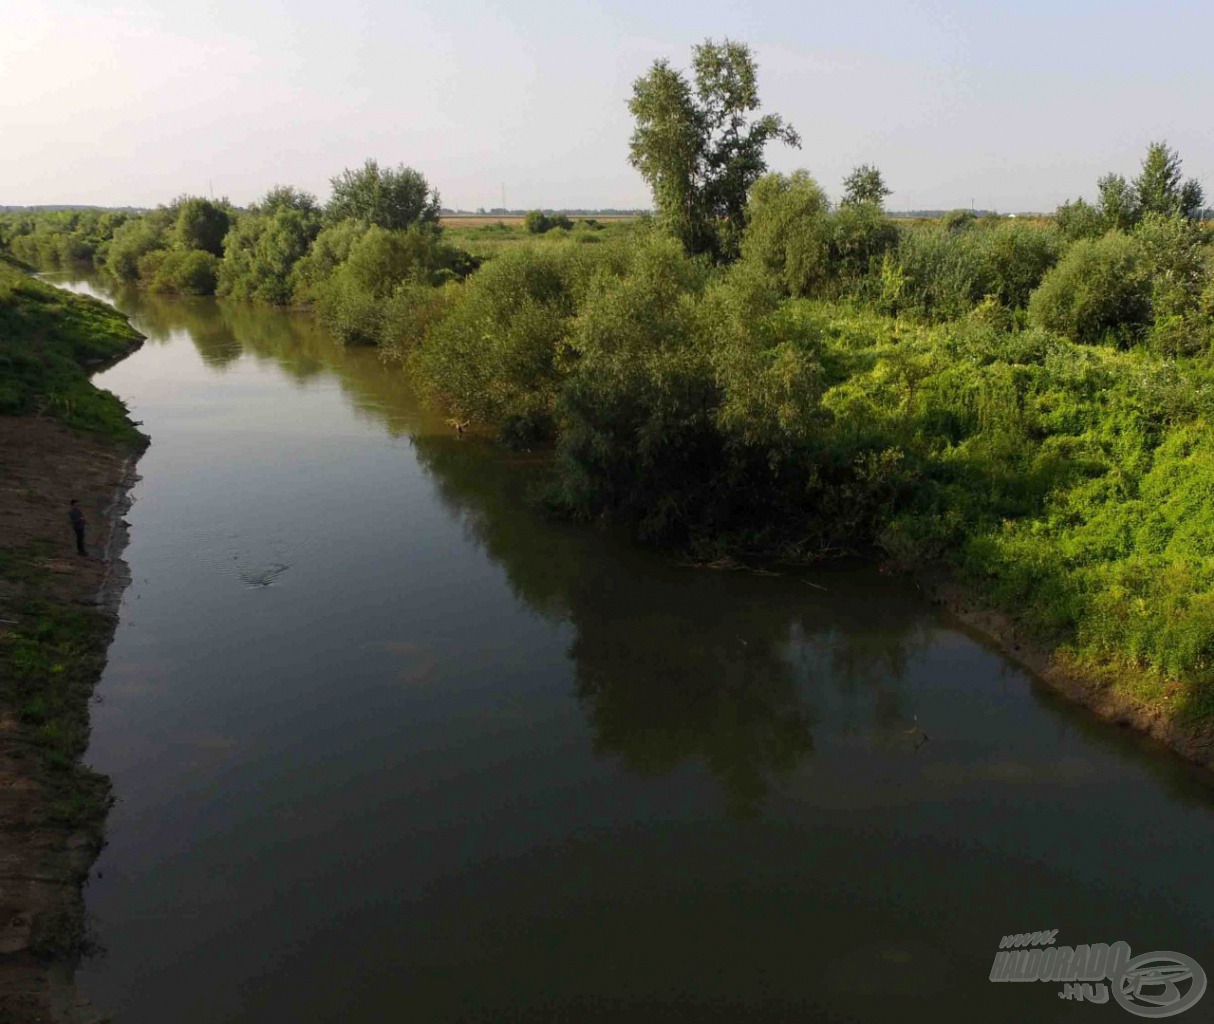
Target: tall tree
[865, 186]
[391, 198]
[699, 147]
[1160, 189]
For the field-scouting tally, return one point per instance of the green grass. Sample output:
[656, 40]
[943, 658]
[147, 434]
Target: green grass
[49, 341]
[49, 663]
[485, 241]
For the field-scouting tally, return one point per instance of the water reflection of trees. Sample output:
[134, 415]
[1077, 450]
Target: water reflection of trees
[675, 665]
[672, 665]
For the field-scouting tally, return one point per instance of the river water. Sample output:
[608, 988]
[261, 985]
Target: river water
[388, 745]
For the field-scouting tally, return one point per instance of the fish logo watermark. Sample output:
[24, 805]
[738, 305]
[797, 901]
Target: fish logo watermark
[1159, 984]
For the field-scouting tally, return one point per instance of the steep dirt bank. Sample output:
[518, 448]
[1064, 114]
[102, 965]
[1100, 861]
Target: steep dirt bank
[58, 613]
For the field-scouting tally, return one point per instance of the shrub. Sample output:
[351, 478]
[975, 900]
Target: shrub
[787, 233]
[200, 224]
[351, 301]
[1100, 290]
[942, 274]
[498, 356]
[261, 251]
[329, 250]
[132, 241]
[859, 237]
[187, 272]
[1079, 219]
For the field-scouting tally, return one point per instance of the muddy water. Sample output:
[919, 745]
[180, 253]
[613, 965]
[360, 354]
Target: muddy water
[390, 746]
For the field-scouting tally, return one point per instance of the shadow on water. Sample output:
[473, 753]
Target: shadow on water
[735, 696]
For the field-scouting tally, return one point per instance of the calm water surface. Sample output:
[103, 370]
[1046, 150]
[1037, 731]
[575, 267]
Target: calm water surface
[389, 746]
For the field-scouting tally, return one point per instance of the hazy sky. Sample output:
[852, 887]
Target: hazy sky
[1015, 105]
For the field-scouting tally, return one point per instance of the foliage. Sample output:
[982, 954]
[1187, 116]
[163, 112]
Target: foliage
[351, 301]
[393, 198]
[184, 272]
[787, 234]
[329, 250]
[1079, 219]
[637, 411]
[942, 273]
[263, 248]
[537, 222]
[200, 224]
[287, 197]
[499, 354]
[1100, 290]
[1160, 190]
[865, 186]
[133, 241]
[699, 148]
[59, 238]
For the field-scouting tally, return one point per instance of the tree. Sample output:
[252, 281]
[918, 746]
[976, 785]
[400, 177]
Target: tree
[1079, 219]
[787, 234]
[536, 222]
[393, 199]
[698, 148]
[1118, 204]
[288, 197]
[865, 185]
[201, 224]
[1159, 189]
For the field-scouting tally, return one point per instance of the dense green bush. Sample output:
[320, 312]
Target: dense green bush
[500, 353]
[538, 223]
[788, 233]
[942, 273]
[1100, 290]
[638, 439]
[329, 250]
[1079, 219]
[59, 238]
[352, 301]
[261, 251]
[132, 241]
[394, 198]
[183, 271]
[860, 234]
[200, 224]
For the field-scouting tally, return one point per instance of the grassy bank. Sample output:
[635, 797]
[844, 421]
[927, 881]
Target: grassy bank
[50, 342]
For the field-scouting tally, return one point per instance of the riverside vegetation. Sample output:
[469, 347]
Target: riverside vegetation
[757, 370]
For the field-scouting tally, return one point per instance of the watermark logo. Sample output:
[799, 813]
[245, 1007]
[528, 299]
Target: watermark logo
[1160, 984]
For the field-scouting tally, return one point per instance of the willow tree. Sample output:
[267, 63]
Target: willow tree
[393, 198]
[699, 145]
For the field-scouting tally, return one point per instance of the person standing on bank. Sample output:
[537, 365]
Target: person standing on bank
[78, 524]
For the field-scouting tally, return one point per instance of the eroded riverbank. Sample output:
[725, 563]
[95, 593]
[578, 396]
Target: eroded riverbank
[59, 613]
